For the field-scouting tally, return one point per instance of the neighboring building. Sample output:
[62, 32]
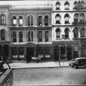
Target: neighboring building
[68, 27]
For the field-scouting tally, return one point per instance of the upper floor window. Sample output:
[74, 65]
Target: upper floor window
[30, 36]
[46, 36]
[20, 36]
[20, 20]
[30, 20]
[14, 21]
[82, 32]
[58, 5]
[14, 36]
[58, 33]
[2, 19]
[2, 34]
[66, 17]
[66, 33]
[40, 36]
[39, 21]
[67, 4]
[46, 20]
[75, 32]
[82, 17]
[76, 17]
[75, 4]
[58, 18]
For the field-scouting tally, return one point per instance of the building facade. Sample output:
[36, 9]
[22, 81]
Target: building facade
[54, 31]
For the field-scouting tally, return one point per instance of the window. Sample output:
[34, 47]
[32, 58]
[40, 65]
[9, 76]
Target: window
[14, 21]
[82, 32]
[46, 36]
[40, 36]
[46, 20]
[66, 17]
[2, 34]
[30, 36]
[75, 4]
[39, 21]
[2, 19]
[14, 36]
[30, 20]
[58, 33]
[76, 17]
[20, 20]
[58, 5]
[75, 31]
[67, 4]
[66, 33]
[58, 18]
[82, 17]
[21, 36]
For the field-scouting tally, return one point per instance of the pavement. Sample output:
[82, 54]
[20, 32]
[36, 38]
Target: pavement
[17, 65]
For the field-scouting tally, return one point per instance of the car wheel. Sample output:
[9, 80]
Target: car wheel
[75, 67]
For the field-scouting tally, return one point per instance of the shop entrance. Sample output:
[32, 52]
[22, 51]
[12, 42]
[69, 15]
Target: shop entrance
[29, 53]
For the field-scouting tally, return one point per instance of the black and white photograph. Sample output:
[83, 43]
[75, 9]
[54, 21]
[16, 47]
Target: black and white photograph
[42, 42]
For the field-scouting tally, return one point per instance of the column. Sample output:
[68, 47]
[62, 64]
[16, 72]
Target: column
[66, 52]
[34, 51]
[72, 51]
[25, 53]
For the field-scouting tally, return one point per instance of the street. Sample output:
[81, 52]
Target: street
[49, 76]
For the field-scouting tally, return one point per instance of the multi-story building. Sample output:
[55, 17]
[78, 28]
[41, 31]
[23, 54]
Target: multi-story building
[53, 31]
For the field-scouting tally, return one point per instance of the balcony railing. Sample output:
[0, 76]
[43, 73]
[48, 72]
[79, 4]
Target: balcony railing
[79, 23]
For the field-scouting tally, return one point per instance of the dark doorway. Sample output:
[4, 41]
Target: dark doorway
[29, 53]
[1, 53]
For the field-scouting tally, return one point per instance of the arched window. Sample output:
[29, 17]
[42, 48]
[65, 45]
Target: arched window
[20, 36]
[2, 34]
[46, 20]
[82, 32]
[40, 36]
[46, 36]
[14, 36]
[2, 19]
[58, 5]
[39, 21]
[76, 15]
[20, 20]
[58, 18]
[82, 17]
[75, 33]
[66, 17]
[30, 36]
[58, 33]
[75, 4]
[14, 21]
[66, 33]
[67, 4]
[30, 20]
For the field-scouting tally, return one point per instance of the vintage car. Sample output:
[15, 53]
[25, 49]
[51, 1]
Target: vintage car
[79, 62]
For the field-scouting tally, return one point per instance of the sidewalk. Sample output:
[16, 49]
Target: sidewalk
[37, 65]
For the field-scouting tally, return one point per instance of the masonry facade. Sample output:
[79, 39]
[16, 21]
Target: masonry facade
[55, 31]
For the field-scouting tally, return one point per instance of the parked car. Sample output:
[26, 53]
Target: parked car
[78, 63]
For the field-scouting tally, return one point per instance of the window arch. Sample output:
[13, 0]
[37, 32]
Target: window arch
[58, 5]
[66, 5]
[46, 36]
[66, 33]
[20, 36]
[2, 34]
[75, 33]
[39, 21]
[82, 32]
[58, 18]
[20, 20]
[76, 15]
[58, 33]
[2, 19]
[46, 20]
[30, 36]
[14, 33]
[66, 17]
[14, 21]
[30, 20]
